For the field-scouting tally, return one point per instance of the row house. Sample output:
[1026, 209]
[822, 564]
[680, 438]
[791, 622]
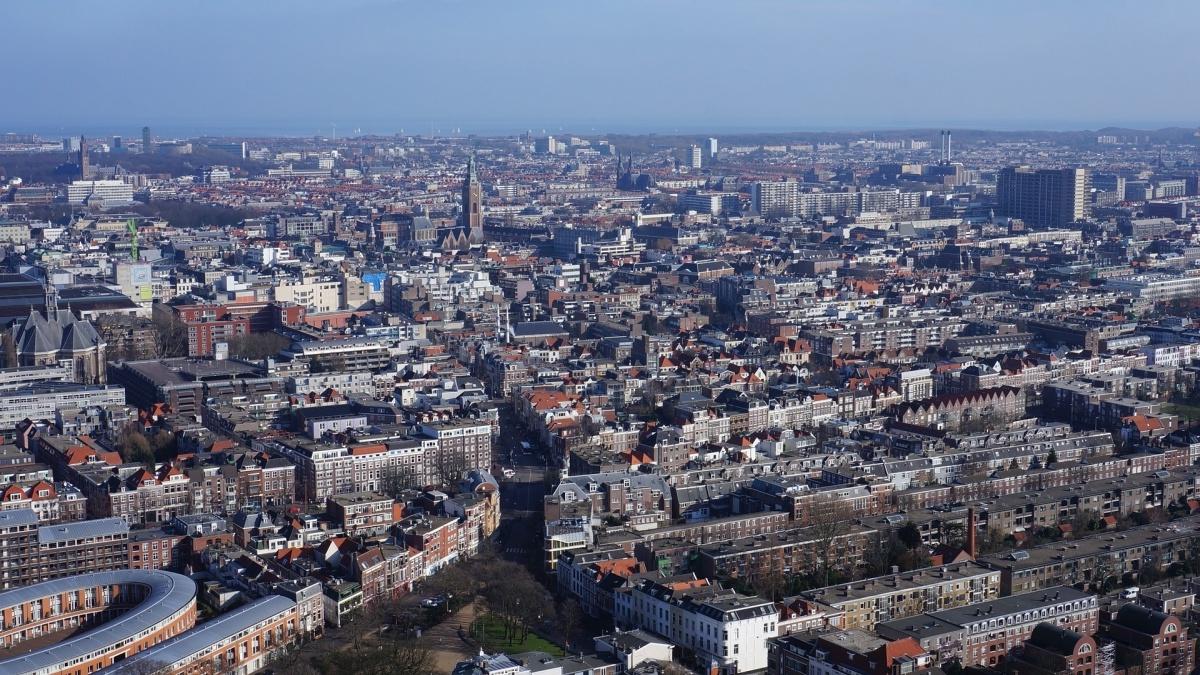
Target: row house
[955, 412]
[641, 500]
[52, 502]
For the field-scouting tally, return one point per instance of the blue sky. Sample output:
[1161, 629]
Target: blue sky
[244, 66]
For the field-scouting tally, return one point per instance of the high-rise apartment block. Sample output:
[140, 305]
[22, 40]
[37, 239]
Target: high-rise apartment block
[1043, 197]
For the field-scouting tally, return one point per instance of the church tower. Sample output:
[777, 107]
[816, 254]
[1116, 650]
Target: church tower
[85, 160]
[472, 203]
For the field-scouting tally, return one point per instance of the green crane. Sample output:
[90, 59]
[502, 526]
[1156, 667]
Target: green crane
[131, 225]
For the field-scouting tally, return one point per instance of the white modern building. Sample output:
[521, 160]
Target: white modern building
[102, 192]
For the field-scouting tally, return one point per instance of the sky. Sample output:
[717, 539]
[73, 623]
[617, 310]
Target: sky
[623, 66]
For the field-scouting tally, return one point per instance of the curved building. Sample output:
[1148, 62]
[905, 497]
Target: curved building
[106, 616]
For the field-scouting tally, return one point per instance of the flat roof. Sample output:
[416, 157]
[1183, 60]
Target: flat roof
[169, 594]
[206, 635]
[83, 529]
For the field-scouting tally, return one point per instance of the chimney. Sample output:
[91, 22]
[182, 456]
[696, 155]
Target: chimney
[971, 532]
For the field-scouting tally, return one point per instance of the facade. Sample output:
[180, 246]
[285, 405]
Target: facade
[361, 513]
[238, 642]
[122, 613]
[982, 634]
[863, 604]
[101, 192]
[41, 401]
[711, 624]
[1150, 641]
[1043, 197]
[46, 338]
[955, 412]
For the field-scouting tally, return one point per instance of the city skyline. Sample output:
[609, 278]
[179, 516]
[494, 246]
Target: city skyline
[618, 67]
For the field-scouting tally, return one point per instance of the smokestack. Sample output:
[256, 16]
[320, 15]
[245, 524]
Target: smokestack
[948, 141]
[971, 532]
[941, 146]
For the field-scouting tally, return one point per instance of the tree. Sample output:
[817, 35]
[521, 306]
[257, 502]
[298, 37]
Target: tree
[147, 667]
[992, 541]
[133, 446]
[399, 656]
[1051, 458]
[458, 583]
[512, 594]
[450, 466]
[569, 617]
[771, 585]
[257, 346]
[171, 336]
[910, 535]
[830, 521]
[954, 534]
[397, 479]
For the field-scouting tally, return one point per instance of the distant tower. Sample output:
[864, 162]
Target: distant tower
[472, 197]
[147, 141]
[51, 298]
[85, 169]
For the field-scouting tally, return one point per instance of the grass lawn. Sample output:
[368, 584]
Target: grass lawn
[488, 630]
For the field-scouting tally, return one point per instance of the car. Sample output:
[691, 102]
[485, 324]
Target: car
[508, 473]
[526, 446]
[435, 601]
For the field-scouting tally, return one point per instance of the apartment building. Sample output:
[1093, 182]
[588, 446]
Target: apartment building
[711, 624]
[435, 454]
[32, 553]
[1094, 559]
[863, 604]
[362, 513]
[982, 634]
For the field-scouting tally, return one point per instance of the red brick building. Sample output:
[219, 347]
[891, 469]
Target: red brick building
[1150, 641]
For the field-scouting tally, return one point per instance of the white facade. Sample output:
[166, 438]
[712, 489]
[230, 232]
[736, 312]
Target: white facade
[99, 191]
[314, 295]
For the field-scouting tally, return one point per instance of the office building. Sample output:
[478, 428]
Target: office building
[147, 141]
[712, 148]
[100, 192]
[694, 156]
[1043, 197]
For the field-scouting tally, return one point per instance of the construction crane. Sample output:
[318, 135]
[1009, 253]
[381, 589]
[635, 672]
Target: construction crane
[131, 225]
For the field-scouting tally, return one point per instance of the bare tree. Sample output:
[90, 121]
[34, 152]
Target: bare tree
[395, 480]
[171, 336]
[450, 466]
[830, 520]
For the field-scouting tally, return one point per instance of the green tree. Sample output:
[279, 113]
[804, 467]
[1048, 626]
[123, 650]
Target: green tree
[910, 536]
